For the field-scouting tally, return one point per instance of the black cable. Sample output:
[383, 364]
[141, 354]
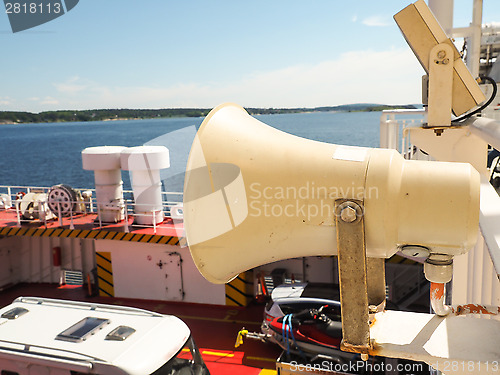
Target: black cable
[488, 102]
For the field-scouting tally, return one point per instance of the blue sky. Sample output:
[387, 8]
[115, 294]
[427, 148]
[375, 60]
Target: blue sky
[163, 53]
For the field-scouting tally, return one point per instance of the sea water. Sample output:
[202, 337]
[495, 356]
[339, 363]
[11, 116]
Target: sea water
[50, 153]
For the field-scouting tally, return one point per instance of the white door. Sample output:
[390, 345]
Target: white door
[173, 276]
[168, 271]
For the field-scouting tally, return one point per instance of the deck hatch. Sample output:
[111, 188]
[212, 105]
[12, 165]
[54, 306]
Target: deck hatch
[120, 333]
[80, 331]
[14, 313]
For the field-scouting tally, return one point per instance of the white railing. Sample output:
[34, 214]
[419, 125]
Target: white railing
[12, 197]
[476, 276]
[392, 125]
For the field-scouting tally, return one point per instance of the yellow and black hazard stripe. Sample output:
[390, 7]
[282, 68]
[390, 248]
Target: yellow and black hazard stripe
[92, 234]
[239, 291]
[105, 274]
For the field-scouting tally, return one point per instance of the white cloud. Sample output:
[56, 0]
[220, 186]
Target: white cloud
[390, 77]
[361, 76]
[72, 85]
[5, 101]
[376, 21]
[45, 101]
[48, 100]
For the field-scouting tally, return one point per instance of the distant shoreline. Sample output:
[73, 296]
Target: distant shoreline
[12, 117]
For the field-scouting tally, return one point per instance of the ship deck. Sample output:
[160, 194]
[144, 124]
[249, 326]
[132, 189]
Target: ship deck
[87, 225]
[214, 328]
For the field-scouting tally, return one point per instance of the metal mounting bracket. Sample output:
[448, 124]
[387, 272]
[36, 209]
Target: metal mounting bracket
[362, 279]
[441, 60]
[375, 280]
[352, 276]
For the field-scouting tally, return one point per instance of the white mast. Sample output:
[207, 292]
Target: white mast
[443, 10]
[474, 48]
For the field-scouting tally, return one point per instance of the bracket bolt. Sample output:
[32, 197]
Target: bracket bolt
[438, 131]
[441, 54]
[348, 214]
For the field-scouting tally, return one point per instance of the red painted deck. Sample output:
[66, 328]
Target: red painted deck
[89, 221]
[214, 328]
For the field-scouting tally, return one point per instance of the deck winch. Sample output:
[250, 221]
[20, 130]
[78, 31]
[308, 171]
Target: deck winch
[58, 201]
[5, 201]
[63, 200]
[33, 205]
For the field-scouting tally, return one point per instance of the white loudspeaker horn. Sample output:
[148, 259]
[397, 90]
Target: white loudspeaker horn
[254, 195]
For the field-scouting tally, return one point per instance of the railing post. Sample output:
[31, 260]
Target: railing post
[383, 130]
[126, 218]
[18, 203]
[99, 214]
[59, 214]
[154, 221]
[71, 225]
[43, 213]
[392, 132]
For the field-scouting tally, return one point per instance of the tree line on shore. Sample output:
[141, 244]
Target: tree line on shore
[120, 114]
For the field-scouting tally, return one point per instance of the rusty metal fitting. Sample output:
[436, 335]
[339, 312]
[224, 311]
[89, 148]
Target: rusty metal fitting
[437, 299]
